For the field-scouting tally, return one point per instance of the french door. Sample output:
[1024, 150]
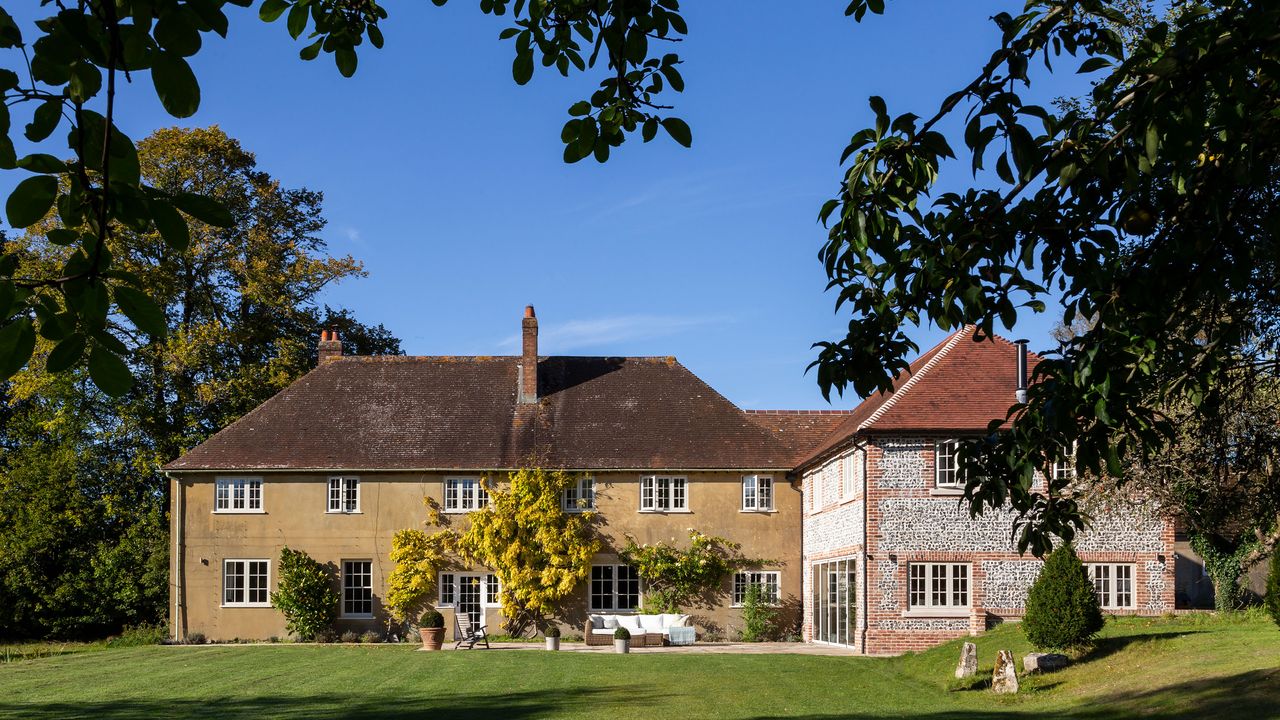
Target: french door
[469, 597]
[835, 601]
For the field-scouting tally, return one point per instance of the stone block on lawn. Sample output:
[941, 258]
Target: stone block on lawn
[968, 666]
[1004, 681]
[1043, 662]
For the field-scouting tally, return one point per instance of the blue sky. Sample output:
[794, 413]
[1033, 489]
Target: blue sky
[446, 179]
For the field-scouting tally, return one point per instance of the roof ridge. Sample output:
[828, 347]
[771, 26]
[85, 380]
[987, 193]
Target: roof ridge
[798, 412]
[911, 381]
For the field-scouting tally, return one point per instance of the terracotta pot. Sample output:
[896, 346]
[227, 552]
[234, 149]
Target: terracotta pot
[432, 638]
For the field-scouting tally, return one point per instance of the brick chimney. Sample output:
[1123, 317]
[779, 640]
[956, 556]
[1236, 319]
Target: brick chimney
[529, 357]
[330, 346]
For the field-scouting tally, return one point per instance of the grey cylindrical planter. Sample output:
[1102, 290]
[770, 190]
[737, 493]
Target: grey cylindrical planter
[553, 643]
[621, 646]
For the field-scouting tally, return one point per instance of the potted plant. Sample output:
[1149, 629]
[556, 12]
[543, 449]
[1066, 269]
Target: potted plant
[431, 628]
[553, 637]
[621, 640]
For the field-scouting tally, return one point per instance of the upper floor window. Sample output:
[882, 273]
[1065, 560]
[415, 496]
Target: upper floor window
[847, 469]
[232, 495]
[244, 583]
[357, 588]
[766, 580]
[614, 587]
[579, 496]
[757, 493]
[938, 585]
[946, 464]
[464, 495]
[660, 493]
[344, 494]
[1113, 584]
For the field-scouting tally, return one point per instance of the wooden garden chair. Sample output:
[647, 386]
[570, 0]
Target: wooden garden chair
[468, 633]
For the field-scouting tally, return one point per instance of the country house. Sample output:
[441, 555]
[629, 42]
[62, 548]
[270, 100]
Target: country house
[857, 511]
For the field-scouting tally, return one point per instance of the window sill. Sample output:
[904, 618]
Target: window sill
[946, 491]
[368, 616]
[757, 512]
[459, 512]
[239, 512]
[344, 512]
[666, 512]
[245, 605]
[938, 613]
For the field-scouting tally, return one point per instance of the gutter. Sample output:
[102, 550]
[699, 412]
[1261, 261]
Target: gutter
[260, 471]
[178, 560]
[866, 557]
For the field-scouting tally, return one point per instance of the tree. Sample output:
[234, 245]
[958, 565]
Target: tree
[85, 536]
[1273, 586]
[676, 578]
[69, 75]
[1062, 609]
[305, 594]
[1150, 211]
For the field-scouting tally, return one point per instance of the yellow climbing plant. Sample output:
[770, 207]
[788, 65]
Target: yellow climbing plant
[419, 557]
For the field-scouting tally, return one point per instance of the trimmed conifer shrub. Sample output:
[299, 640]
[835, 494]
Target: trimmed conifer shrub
[1273, 585]
[1062, 610]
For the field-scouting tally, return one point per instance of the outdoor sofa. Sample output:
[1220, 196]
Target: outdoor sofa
[646, 630]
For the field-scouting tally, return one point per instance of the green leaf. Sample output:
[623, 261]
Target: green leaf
[297, 21]
[522, 67]
[44, 121]
[63, 236]
[678, 130]
[66, 354]
[312, 51]
[175, 84]
[171, 225]
[31, 200]
[109, 372]
[271, 10]
[17, 342]
[176, 32]
[204, 209]
[580, 108]
[141, 310]
[346, 60]
[42, 163]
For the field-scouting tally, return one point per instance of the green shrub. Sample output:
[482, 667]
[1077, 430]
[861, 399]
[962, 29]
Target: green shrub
[136, 636]
[431, 619]
[370, 637]
[553, 631]
[757, 616]
[621, 634]
[1273, 585]
[195, 638]
[1062, 609]
[350, 636]
[305, 595]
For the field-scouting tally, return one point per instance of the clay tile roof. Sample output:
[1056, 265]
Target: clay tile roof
[403, 413]
[960, 385]
[799, 430]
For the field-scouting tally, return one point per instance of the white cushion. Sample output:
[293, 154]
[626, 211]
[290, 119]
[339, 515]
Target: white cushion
[597, 621]
[678, 620]
[652, 623]
[610, 622]
[601, 631]
[631, 623]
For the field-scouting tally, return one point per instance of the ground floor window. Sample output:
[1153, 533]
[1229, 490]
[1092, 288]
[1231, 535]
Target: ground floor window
[835, 601]
[938, 585]
[469, 593]
[244, 583]
[1113, 584]
[614, 587]
[357, 588]
[767, 581]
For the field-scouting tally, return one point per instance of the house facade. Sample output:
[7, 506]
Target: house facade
[856, 513]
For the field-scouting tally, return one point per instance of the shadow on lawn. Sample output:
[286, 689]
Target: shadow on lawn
[1253, 695]
[507, 706]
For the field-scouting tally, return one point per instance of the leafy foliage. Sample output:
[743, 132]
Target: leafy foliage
[757, 616]
[540, 553]
[675, 578]
[1149, 209]
[419, 558]
[431, 620]
[1224, 563]
[1273, 586]
[1062, 609]
[305, 594]
[621, 633]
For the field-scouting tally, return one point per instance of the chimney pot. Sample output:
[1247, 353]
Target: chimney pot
[528, 390]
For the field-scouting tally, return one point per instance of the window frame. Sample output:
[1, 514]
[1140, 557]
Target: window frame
[342, 608]
[928, 589]
[757, 483]
[229, 482]
[490, 589]
[1107, 597]
[480, 497]
[847, 490]
[615, 581]
[743, 579]
[342, 481]
[583, 487]
[956, 482]
[674, 485]
[245, 588]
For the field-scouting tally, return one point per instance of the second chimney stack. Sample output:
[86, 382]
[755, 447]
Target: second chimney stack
[529, 357]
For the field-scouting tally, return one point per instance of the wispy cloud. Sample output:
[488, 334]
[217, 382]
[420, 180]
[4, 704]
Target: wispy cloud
[353, 236]
[605, 333]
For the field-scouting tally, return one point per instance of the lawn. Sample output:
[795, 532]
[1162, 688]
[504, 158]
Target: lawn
[1185, 667]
